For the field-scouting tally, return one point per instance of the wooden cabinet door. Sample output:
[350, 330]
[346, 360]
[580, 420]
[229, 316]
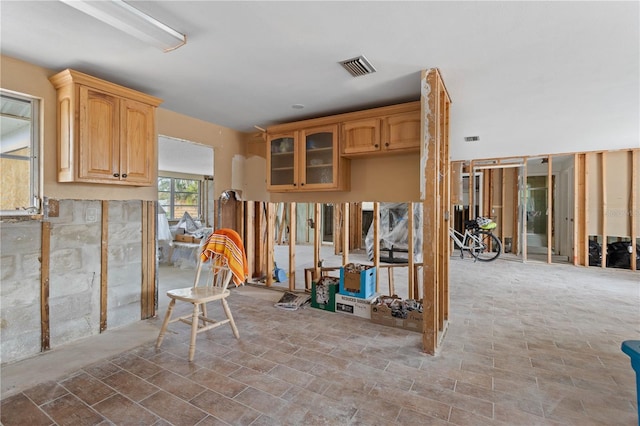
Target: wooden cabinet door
[98, 141]
[137, 142]
[318, 162]
[361, 136]
[401, 131]
[282, 163]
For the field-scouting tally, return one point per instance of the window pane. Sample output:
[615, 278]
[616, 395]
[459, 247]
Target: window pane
[18, 155]
[164, 184]
[178, 195]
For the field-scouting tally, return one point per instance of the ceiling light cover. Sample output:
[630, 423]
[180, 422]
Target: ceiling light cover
[358, 66]
[132, 21]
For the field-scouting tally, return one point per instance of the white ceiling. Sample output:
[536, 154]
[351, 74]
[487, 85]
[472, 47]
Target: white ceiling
[527, 77]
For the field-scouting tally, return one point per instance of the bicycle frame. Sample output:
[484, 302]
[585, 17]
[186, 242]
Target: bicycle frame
[462, 239]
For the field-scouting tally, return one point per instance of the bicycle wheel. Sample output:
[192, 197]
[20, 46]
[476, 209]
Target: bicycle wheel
[485, 246]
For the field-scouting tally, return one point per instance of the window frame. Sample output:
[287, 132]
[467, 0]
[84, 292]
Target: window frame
[170, 211]
[35, 160]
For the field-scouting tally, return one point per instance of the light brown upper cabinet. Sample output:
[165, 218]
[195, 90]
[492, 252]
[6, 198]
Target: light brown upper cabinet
[305, 159]
[106, 132]
[392, 129]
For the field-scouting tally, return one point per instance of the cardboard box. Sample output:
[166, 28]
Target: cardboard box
[187, 238]
[382, 314]
[361, 284]
[323, 296]
[354, 306]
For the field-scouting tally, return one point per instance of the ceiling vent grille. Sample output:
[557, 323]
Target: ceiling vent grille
[358, 66]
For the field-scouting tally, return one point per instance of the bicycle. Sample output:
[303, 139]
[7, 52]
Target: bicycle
[478, 240]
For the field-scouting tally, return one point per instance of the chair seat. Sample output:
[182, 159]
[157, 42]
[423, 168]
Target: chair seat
[198, 294]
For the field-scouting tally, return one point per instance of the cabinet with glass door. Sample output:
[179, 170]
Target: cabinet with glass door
[305, 160]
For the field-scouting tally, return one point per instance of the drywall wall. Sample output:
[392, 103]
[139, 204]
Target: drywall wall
[226, 144]
[392, 178]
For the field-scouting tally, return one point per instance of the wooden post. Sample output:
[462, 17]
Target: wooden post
[603, 210]
[292, 246]
[271, 222]
[148, 296]
[472, 191]
[524, 210]
[503, 201]
[549, 207]
[45, 343]
[345, 233]
[376, 241]
[317, 217]
[429, 162]
[410, 250]
[634, 209]
[337, 228]
[260, 245]
[104, 257]
[250, 235]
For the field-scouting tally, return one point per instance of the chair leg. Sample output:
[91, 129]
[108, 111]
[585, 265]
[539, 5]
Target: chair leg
[194, 331]
[165, 323]
[231, 322]
[204, 314]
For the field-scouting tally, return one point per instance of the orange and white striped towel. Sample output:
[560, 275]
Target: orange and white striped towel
[227, 243]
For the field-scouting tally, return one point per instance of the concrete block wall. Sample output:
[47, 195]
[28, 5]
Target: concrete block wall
[124, 263]
[74, 276]
[74, 289]
[19, 290]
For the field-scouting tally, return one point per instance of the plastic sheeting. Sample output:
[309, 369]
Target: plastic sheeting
[394, 233]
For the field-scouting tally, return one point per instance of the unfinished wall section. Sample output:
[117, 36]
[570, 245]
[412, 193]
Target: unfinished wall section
[74, 299]
[124, 263]
[20, 290]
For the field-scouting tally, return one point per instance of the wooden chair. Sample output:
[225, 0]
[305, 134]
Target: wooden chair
[199, 295]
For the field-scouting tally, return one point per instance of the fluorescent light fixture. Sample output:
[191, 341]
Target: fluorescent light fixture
[132, 21]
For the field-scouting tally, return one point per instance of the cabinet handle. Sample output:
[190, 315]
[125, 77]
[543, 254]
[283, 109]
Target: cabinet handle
[124, 175]
[386, 144]
[376, 145]
[294, 184]
[302, 184]
[116, 175]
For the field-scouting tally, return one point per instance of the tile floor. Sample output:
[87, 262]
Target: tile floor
[527, 344]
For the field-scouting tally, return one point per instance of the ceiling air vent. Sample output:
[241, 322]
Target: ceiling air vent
[358, 66]
[471, 138]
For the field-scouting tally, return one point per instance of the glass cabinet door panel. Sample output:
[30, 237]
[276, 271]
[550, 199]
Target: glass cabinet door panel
[282, 161]
[319, 158]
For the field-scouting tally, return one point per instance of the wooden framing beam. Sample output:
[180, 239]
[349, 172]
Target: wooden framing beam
[472, 191]
[603, 207]
[292, 246]
[549, 207]
[410, 250]
[376, 241]
[345, 233]
[634, 209]
[271, 222]
[45, 334]
[104, 259]
[250, 236]
[585, 223]
[148, 296]
[503, 202]
[524, 213]
[430, 158]
[317, 239]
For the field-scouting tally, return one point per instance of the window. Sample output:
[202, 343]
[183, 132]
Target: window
[19, 159]
[179, 195]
